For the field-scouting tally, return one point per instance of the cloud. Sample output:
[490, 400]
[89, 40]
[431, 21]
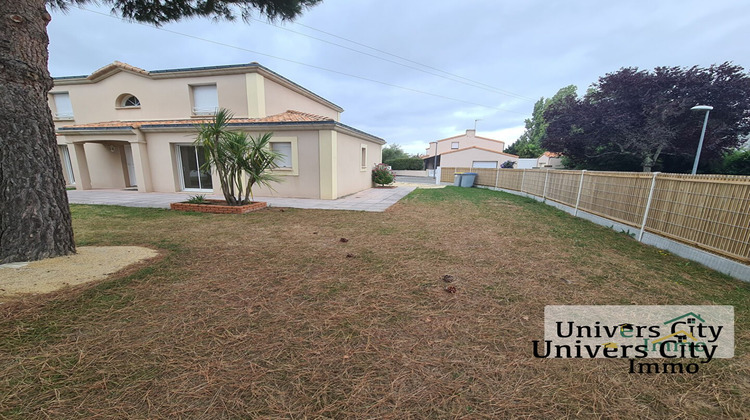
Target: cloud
[530, 48]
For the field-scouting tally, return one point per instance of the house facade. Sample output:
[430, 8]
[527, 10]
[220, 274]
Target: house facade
[123, 127]
[467, 151]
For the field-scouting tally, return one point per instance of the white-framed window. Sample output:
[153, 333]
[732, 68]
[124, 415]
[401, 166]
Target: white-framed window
[284, 149]
[190, 161]
[205, 99]
[63, 106]
[288, 164]
[67, 164]
[130, 101]
[454, 145]
[363, 157]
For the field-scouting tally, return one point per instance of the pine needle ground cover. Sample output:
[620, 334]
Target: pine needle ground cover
[286, 313]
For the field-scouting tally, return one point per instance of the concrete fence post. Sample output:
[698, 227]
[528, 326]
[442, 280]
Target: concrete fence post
[523, 178]
[497, 177]
[546, 182]
[580, 188]
[648, 207]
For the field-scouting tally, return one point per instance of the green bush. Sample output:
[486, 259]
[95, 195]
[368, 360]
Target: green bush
[736, 163]
[381, 175]
[406, 164]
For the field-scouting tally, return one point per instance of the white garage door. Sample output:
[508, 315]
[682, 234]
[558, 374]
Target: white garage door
[484, 164]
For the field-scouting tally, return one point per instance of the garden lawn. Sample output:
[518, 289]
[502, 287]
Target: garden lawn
[272, 314]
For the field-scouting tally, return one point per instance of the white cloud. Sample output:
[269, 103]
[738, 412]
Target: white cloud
[531, 48]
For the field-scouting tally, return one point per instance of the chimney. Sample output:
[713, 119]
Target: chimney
[471, 133]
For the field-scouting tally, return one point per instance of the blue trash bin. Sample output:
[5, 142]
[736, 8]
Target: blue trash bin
[467, 179]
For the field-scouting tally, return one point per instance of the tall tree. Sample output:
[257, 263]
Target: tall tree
[35, 219]
[634, 118]
[529, 145]
[393, 152]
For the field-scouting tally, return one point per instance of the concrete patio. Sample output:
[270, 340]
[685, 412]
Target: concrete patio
[374, 199]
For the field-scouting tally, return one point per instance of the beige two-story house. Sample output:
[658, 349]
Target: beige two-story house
[124, 127]
[466, 151]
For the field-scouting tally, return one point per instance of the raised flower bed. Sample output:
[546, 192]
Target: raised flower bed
[218, 206]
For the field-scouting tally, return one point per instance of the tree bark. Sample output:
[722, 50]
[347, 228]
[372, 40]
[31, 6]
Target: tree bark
[35, 218]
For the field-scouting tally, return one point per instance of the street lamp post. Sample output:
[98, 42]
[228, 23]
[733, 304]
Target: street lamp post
[703, 133]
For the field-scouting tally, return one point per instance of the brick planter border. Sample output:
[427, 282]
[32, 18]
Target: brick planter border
[218, 208]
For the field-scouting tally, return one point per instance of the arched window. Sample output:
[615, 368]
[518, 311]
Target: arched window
[130, 101]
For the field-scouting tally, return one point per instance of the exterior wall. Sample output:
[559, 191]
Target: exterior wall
[351, 177]
[105, 167]
[165, 170]
[160, 98]
[527, 163]
[465, 158]
[554, 162]
[280, 99]
[305, 184]
[467, 140]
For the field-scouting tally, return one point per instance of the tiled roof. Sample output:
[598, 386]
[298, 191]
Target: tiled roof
[117, 64]
[552, 154]
[289, 116]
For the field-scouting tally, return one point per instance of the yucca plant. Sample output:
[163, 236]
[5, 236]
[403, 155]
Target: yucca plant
[241, 161]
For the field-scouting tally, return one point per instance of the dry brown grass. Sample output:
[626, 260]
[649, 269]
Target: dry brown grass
[265, 316]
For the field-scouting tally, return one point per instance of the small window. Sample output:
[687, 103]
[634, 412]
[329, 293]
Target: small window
[285, 150]
[363, 157]
[131, 101]
[205, 100]
[454, 145]
[70, 178]
[63, 107]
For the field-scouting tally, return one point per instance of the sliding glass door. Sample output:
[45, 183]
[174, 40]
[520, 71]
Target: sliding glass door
[191, 159]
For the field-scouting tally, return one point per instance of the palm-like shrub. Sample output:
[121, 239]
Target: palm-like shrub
[241, 161]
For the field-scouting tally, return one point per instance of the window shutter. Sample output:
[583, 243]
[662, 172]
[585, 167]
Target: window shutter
[285, 149]
[62, 105]
[205, 100]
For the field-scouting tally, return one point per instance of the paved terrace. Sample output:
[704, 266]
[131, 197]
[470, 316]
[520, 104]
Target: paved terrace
[374, 199]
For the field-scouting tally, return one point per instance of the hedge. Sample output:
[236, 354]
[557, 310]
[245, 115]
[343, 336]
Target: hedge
[406, 164]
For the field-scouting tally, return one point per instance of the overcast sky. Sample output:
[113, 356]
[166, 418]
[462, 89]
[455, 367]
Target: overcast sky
[496, 57]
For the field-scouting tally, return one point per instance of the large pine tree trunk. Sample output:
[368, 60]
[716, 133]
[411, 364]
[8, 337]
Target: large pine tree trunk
[34, 215]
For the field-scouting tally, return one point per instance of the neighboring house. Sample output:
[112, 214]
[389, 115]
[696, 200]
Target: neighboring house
[125, 127]
[467, 151]
[550, 160]
[475, 157]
